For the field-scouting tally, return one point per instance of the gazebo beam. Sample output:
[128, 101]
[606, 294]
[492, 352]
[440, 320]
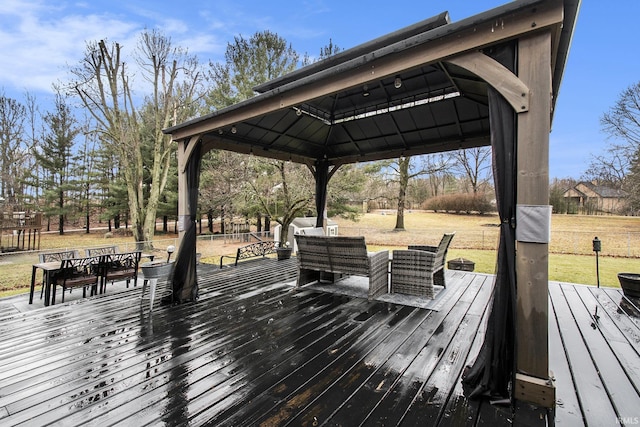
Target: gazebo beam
[498, 76]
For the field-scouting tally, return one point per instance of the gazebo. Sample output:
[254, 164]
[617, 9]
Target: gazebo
[491, 79]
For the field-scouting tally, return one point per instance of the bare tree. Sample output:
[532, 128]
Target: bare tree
[474, 164]
[404, 171]
[620, 168]
[103, 82]
[623, 120]
[611, 168]
[12, 148]
[283, 189]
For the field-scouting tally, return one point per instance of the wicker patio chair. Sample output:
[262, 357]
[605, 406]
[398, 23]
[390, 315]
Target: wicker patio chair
[416, 270]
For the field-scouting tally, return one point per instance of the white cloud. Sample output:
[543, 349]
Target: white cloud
[39, 42]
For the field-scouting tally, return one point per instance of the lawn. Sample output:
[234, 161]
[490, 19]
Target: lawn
[571, 258]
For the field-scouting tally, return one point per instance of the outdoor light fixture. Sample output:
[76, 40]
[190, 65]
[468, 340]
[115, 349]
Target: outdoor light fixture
[397, 83]
[365, 91]
[597, 247]
[233, 129]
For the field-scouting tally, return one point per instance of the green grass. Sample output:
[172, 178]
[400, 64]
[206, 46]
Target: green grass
[570, 260]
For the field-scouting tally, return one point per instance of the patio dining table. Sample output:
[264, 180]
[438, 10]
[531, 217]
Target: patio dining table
[49, 268]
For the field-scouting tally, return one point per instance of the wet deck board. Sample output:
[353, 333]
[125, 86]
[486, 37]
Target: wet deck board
[254, 350]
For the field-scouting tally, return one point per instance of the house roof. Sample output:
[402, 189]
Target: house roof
[400, 94]
[601, 190]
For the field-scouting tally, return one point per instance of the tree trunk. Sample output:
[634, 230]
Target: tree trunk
[222, 218]
[61, 216]
[403, 169]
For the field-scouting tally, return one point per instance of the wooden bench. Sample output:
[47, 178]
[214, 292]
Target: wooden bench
[262, 248]
[327, 258]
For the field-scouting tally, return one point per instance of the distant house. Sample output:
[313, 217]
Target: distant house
[588, 197]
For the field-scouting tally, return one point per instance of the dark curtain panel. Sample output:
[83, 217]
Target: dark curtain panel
[322, 179]
[185, 284]
[493, 371]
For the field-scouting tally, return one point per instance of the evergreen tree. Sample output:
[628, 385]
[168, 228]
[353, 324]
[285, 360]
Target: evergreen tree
[56, 161]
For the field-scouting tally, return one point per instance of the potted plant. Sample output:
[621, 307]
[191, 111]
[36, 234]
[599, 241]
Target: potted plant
[283, 251]
[630, 284]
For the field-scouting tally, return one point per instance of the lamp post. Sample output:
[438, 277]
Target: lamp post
[597, 247]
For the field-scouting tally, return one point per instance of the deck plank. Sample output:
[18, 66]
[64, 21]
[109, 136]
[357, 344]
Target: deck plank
[568, 411]
[299, 389]
[358, 392]
[428, 405]
[591, 391]
[256, 350]
[623, 395]
[396, 401]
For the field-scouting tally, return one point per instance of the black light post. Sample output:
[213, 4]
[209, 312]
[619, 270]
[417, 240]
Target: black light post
[597, 247]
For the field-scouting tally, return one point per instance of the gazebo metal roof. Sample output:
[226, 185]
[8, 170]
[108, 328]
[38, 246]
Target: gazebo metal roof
[400, 94]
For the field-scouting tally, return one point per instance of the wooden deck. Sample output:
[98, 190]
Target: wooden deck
[255, 351]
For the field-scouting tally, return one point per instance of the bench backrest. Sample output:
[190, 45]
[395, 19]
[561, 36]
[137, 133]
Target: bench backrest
[105, 250]
[261, 248]
[59, 256]
[316, 231]
[338, 254]
[73, 267]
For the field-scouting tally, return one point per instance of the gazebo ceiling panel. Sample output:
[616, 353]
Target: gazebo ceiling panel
[392, 128]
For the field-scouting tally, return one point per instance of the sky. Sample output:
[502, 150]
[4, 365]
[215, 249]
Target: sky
[41, 39]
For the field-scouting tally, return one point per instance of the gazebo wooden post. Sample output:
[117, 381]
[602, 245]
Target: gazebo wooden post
[183, 189]
[533, 383]
[185, 148]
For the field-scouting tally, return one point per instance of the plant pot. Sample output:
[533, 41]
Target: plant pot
[156, 269]
[283, 253]
[461, 264]
[630, 283]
